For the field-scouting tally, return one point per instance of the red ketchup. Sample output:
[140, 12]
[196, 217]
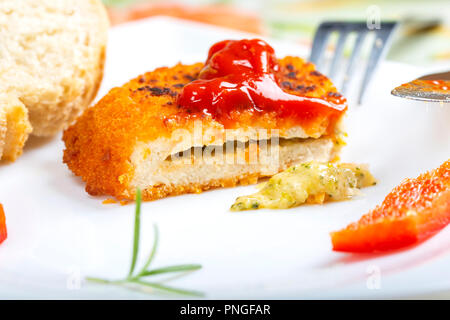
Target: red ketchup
[240, 76]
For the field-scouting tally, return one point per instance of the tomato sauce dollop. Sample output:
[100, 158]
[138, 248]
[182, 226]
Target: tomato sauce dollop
[241, 76]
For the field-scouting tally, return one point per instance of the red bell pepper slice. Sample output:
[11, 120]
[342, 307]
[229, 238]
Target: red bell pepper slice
[3, 233]
[412, 212]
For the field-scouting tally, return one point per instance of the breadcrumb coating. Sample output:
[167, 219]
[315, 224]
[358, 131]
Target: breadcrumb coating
[100, 143]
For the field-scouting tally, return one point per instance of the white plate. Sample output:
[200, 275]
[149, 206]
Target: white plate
[58, 233]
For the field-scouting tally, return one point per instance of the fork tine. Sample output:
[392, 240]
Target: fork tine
[378, 50]
[320, 39]
[352, 62]
[338, 53]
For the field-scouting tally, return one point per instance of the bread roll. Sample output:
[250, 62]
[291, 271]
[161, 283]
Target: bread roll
[51, 64]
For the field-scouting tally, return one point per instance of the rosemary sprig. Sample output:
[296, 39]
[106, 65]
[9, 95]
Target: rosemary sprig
[135, 279]
[137, 231]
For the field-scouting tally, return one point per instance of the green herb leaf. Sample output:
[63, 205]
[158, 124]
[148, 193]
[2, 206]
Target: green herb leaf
[153, 252]
[136, 279]
[137, 227]
[179, 268]
[98, 280]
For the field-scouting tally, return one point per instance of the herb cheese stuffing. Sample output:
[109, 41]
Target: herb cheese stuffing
[309, 182]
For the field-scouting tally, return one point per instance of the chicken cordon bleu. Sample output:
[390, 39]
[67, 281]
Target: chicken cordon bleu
[240, 116]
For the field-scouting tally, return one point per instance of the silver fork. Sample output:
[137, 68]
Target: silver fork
[381, 42]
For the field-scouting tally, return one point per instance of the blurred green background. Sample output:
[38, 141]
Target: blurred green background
[423, 38]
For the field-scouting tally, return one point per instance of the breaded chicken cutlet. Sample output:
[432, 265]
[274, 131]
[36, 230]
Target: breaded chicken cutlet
[139, 136]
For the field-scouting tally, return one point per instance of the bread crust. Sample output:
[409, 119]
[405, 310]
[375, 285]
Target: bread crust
[100, 144]
[3, 129]
[14, 127]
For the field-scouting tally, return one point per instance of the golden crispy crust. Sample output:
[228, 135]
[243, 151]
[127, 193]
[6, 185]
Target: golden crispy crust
[100, 143]
[162, 191]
